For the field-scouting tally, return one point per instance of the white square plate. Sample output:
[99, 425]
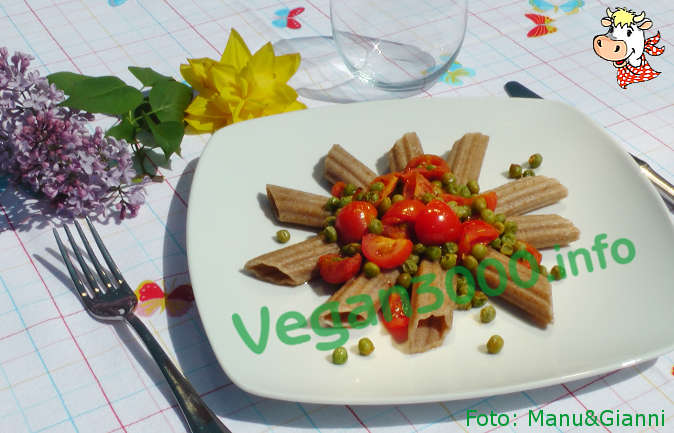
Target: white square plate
[604, 319]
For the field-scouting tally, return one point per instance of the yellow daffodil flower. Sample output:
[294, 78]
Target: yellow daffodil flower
[240, 86]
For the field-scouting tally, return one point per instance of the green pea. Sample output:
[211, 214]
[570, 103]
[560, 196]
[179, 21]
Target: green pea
[465, 306]
[329, 221]
[415, 258]
[339, 355]
[520, 246]
[535, 160]
[404, 280]
[430, 167]
[450, 248]
[528, 172]
[500, 217]
[385, 205]
[448, 261]
[507, 249]
[437, 183]
[375, 226]
[330, 234]
[479, 251]
[473, 186]
[447, 179]
[410, 267]
[283, 236]
[396, 198]
[464, 191]
[345, 200]
[508, 238]
[377, 186]
[332, 204]
[433, 253]
[463, 212]
[487, 314]
[479, 204]
[494, 344]
[365, 346]
[543, 270]
[461, 287]
[371, 270]
[453, 188]
[427, 198]
[510, 227]
[479, 299]
[515, 171]
[351, 249]
[360, 196]
[499, 226]
[488, 216]
[349, 189]
[419, 248]
[496, 243]
[557, 273]
[470, 262]
[372, 196]
[437, 191]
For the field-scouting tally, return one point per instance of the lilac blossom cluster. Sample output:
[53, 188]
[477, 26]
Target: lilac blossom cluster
[49, 149]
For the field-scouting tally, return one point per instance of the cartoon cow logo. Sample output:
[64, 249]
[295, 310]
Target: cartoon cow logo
[626, 46]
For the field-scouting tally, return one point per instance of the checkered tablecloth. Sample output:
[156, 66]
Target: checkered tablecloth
[61, 371]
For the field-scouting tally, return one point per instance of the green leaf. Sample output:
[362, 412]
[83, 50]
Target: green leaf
[65, 80]
[169, 100]
[168, 135]
[147, 76]
[107, 95]
[123, 130]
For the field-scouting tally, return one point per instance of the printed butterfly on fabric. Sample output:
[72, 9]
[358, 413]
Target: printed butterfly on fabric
[287, 18]
[543, 26]
[568, 7]
[114, 3]
[453, 74]
[151, 298]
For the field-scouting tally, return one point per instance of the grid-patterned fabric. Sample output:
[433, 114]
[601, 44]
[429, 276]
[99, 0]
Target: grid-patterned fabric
[61, 371]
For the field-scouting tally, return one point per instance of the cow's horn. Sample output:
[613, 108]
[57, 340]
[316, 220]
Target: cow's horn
[609, 14]
[640, 17]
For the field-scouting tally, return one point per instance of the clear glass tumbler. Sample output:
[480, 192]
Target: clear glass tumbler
[398, 45]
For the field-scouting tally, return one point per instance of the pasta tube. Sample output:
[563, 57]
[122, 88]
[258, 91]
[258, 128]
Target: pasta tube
[545, 231]
[465, 158]
[297, 207]
[341, 165]
[404, 149]
[292, 265]
[527, 194]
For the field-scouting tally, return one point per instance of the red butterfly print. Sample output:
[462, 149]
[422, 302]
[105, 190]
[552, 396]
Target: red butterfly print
[543, 26]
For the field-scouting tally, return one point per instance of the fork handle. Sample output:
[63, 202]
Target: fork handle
[200, 418]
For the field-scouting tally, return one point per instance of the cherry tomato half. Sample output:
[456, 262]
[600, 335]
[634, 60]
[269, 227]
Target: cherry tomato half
[352, 220]
[337, 189]
[397, 327]
[431, 166]
[416, 185]
[335, 269]
[385, 252]
[437, 224]
[403, 211]
[476, 232]
[390, 181]
[534, 252]
[397, 231]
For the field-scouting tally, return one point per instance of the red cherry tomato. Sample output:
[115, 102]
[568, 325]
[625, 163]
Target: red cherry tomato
[352, 220]
[431, 166]
[476, 232]
[385, 252]
[416, 185]
[534, 252]
[437, 224]
[397, 231]
[397, 327]
[335, 269]
[403, 211]
[338, 188]
[390, 181]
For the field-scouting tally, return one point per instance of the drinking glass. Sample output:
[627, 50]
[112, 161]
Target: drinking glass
[379, 49]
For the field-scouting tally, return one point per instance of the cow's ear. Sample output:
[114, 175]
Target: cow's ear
[606, 22]
[646, 24]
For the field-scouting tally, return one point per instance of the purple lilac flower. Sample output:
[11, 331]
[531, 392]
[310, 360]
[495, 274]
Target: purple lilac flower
[48, 148]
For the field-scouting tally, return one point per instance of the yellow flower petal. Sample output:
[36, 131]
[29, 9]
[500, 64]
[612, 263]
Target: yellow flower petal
[286, 66]
[236, 53]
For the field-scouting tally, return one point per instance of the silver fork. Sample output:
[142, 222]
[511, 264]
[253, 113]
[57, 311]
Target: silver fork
[117, 302]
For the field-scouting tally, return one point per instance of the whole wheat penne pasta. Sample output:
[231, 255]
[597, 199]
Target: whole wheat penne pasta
[297, 207]
[292, 265]
[527, 194]
[428, 329]
[545, 231]
[405, 148]
[341, 165]
[536, 300]
[359, 285]
[465, 158]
